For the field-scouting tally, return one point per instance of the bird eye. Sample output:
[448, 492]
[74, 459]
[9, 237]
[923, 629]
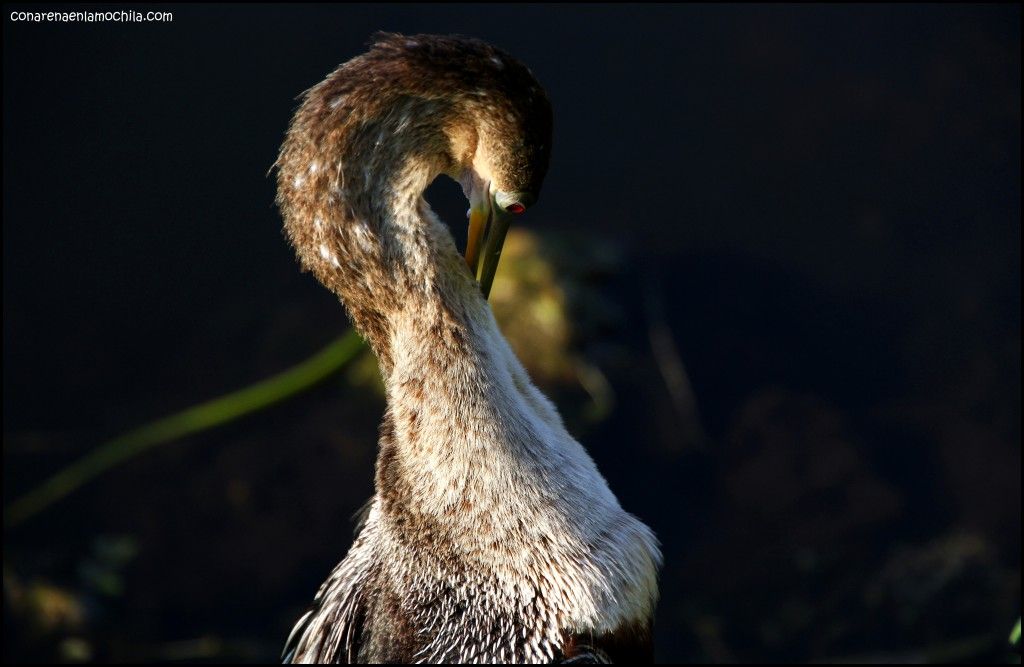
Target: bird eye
[514, 202]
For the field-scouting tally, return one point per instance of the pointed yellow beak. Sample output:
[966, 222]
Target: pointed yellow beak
[478, 216]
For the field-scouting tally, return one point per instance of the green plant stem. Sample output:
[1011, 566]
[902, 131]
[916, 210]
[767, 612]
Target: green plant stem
[198, 418]
[1015, 634]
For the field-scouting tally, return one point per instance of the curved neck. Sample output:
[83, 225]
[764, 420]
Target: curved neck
[361, 225]
[462, 414]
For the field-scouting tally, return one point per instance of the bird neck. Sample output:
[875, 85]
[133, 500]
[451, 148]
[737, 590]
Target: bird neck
[463, 418]
[462, 411]
[376, 243]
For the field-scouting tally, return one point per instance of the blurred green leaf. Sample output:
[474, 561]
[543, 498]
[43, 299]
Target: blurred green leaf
[198, 418]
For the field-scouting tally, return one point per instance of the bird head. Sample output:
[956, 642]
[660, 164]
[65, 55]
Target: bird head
[458, 105]
[498, 128]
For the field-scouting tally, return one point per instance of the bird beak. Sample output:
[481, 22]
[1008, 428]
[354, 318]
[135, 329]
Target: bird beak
[479, 215]
[488, 225]
[496, 231]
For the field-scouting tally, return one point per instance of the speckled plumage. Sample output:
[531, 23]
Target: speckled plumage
[491, 536]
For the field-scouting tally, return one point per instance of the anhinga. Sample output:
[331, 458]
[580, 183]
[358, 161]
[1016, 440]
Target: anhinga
[491, 537]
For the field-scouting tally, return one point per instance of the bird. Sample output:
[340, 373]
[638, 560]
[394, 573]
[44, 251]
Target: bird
[491, 536]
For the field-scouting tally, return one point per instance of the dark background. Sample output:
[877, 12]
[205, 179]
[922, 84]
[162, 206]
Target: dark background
[824, 203]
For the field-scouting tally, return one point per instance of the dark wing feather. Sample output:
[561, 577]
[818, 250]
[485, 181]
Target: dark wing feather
[332, 630]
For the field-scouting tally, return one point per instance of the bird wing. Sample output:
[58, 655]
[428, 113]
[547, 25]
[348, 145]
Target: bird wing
[332, 630]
